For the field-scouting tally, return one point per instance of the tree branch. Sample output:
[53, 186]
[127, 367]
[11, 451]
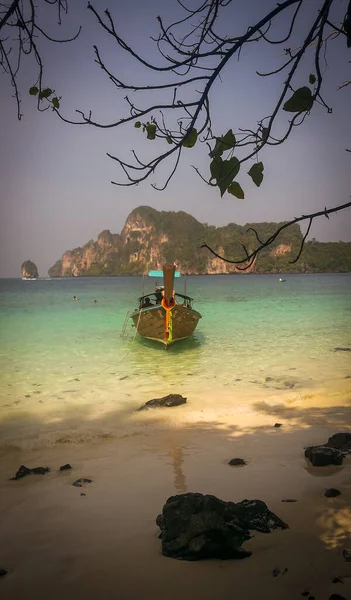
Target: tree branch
[252, 255]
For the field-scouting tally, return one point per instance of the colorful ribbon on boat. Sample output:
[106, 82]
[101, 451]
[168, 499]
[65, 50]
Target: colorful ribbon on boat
[168, 321]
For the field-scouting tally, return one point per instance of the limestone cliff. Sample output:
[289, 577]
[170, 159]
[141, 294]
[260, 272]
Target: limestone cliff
[151, 238]
[29, 270]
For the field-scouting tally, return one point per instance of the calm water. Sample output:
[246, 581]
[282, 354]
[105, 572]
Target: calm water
[66, 373]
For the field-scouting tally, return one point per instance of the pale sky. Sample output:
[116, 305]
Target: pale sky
[56, 192]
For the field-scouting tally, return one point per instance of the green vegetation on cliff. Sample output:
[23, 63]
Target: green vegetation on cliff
[152, 237]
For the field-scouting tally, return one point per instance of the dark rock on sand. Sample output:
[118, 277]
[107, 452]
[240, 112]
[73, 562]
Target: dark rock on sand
[332, 493]
[276, 572]
[40, 470]
[347, 555]
[3, 572]
[331, 453]
[321, 456]
[340, 441]
[237, 462]
[196, 526]
[277, 424]
[165, 401]
[23, 471]
[288, 500]
[337, 597]
[289, 384]
[342, 349]
[66, 467]
[337, 580]
[79, 482]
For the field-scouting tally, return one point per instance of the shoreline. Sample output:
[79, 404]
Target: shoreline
[247, 406]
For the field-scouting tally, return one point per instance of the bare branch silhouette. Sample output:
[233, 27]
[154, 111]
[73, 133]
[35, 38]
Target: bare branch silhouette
[251, 257]
[20, 30]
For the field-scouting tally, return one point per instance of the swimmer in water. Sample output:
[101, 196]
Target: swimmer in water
[74, 298]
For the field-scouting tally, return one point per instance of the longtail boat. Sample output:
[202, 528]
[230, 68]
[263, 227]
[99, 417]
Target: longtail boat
[164, 315]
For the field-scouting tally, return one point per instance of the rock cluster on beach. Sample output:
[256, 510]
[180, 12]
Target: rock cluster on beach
[197, 526]
[24, 471]
[331, 453]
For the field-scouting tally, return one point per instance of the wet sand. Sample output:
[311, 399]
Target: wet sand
[57, 544]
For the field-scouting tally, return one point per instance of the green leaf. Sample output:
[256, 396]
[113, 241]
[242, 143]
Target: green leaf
[169, 139]
[236, 190]
[45, 93]
[223, 143]
[224, 171]
[312, 79]
[191, 139]
[300, 101]
[56, 103]
[137, 124]
[151, 131]
[33, 90]
[256, 173]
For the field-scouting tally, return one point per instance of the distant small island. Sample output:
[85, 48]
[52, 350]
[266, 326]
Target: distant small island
[150, 237]
[29, 270]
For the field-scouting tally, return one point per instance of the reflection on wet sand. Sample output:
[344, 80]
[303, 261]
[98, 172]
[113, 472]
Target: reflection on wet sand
[176, 454]
[335, 523]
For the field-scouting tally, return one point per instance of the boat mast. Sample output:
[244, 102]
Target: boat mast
[168, 281]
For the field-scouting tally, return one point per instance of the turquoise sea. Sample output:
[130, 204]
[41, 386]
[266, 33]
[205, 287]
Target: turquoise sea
[67, 375]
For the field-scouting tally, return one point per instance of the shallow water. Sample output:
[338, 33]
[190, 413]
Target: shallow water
[67, 375]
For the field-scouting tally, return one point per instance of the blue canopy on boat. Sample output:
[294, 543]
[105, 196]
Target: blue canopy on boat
[160, 274]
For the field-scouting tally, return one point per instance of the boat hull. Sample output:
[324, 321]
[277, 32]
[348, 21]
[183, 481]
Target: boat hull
[151, 322]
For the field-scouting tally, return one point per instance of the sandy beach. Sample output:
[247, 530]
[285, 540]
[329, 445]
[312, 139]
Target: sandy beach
[59, 543]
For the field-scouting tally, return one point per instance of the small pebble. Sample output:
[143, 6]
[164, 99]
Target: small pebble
[65, 467]
[237, 462]
[277, 572]
[79, 482]
[3, 572]
[277, 424]
[289, 500]
[332, 493]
